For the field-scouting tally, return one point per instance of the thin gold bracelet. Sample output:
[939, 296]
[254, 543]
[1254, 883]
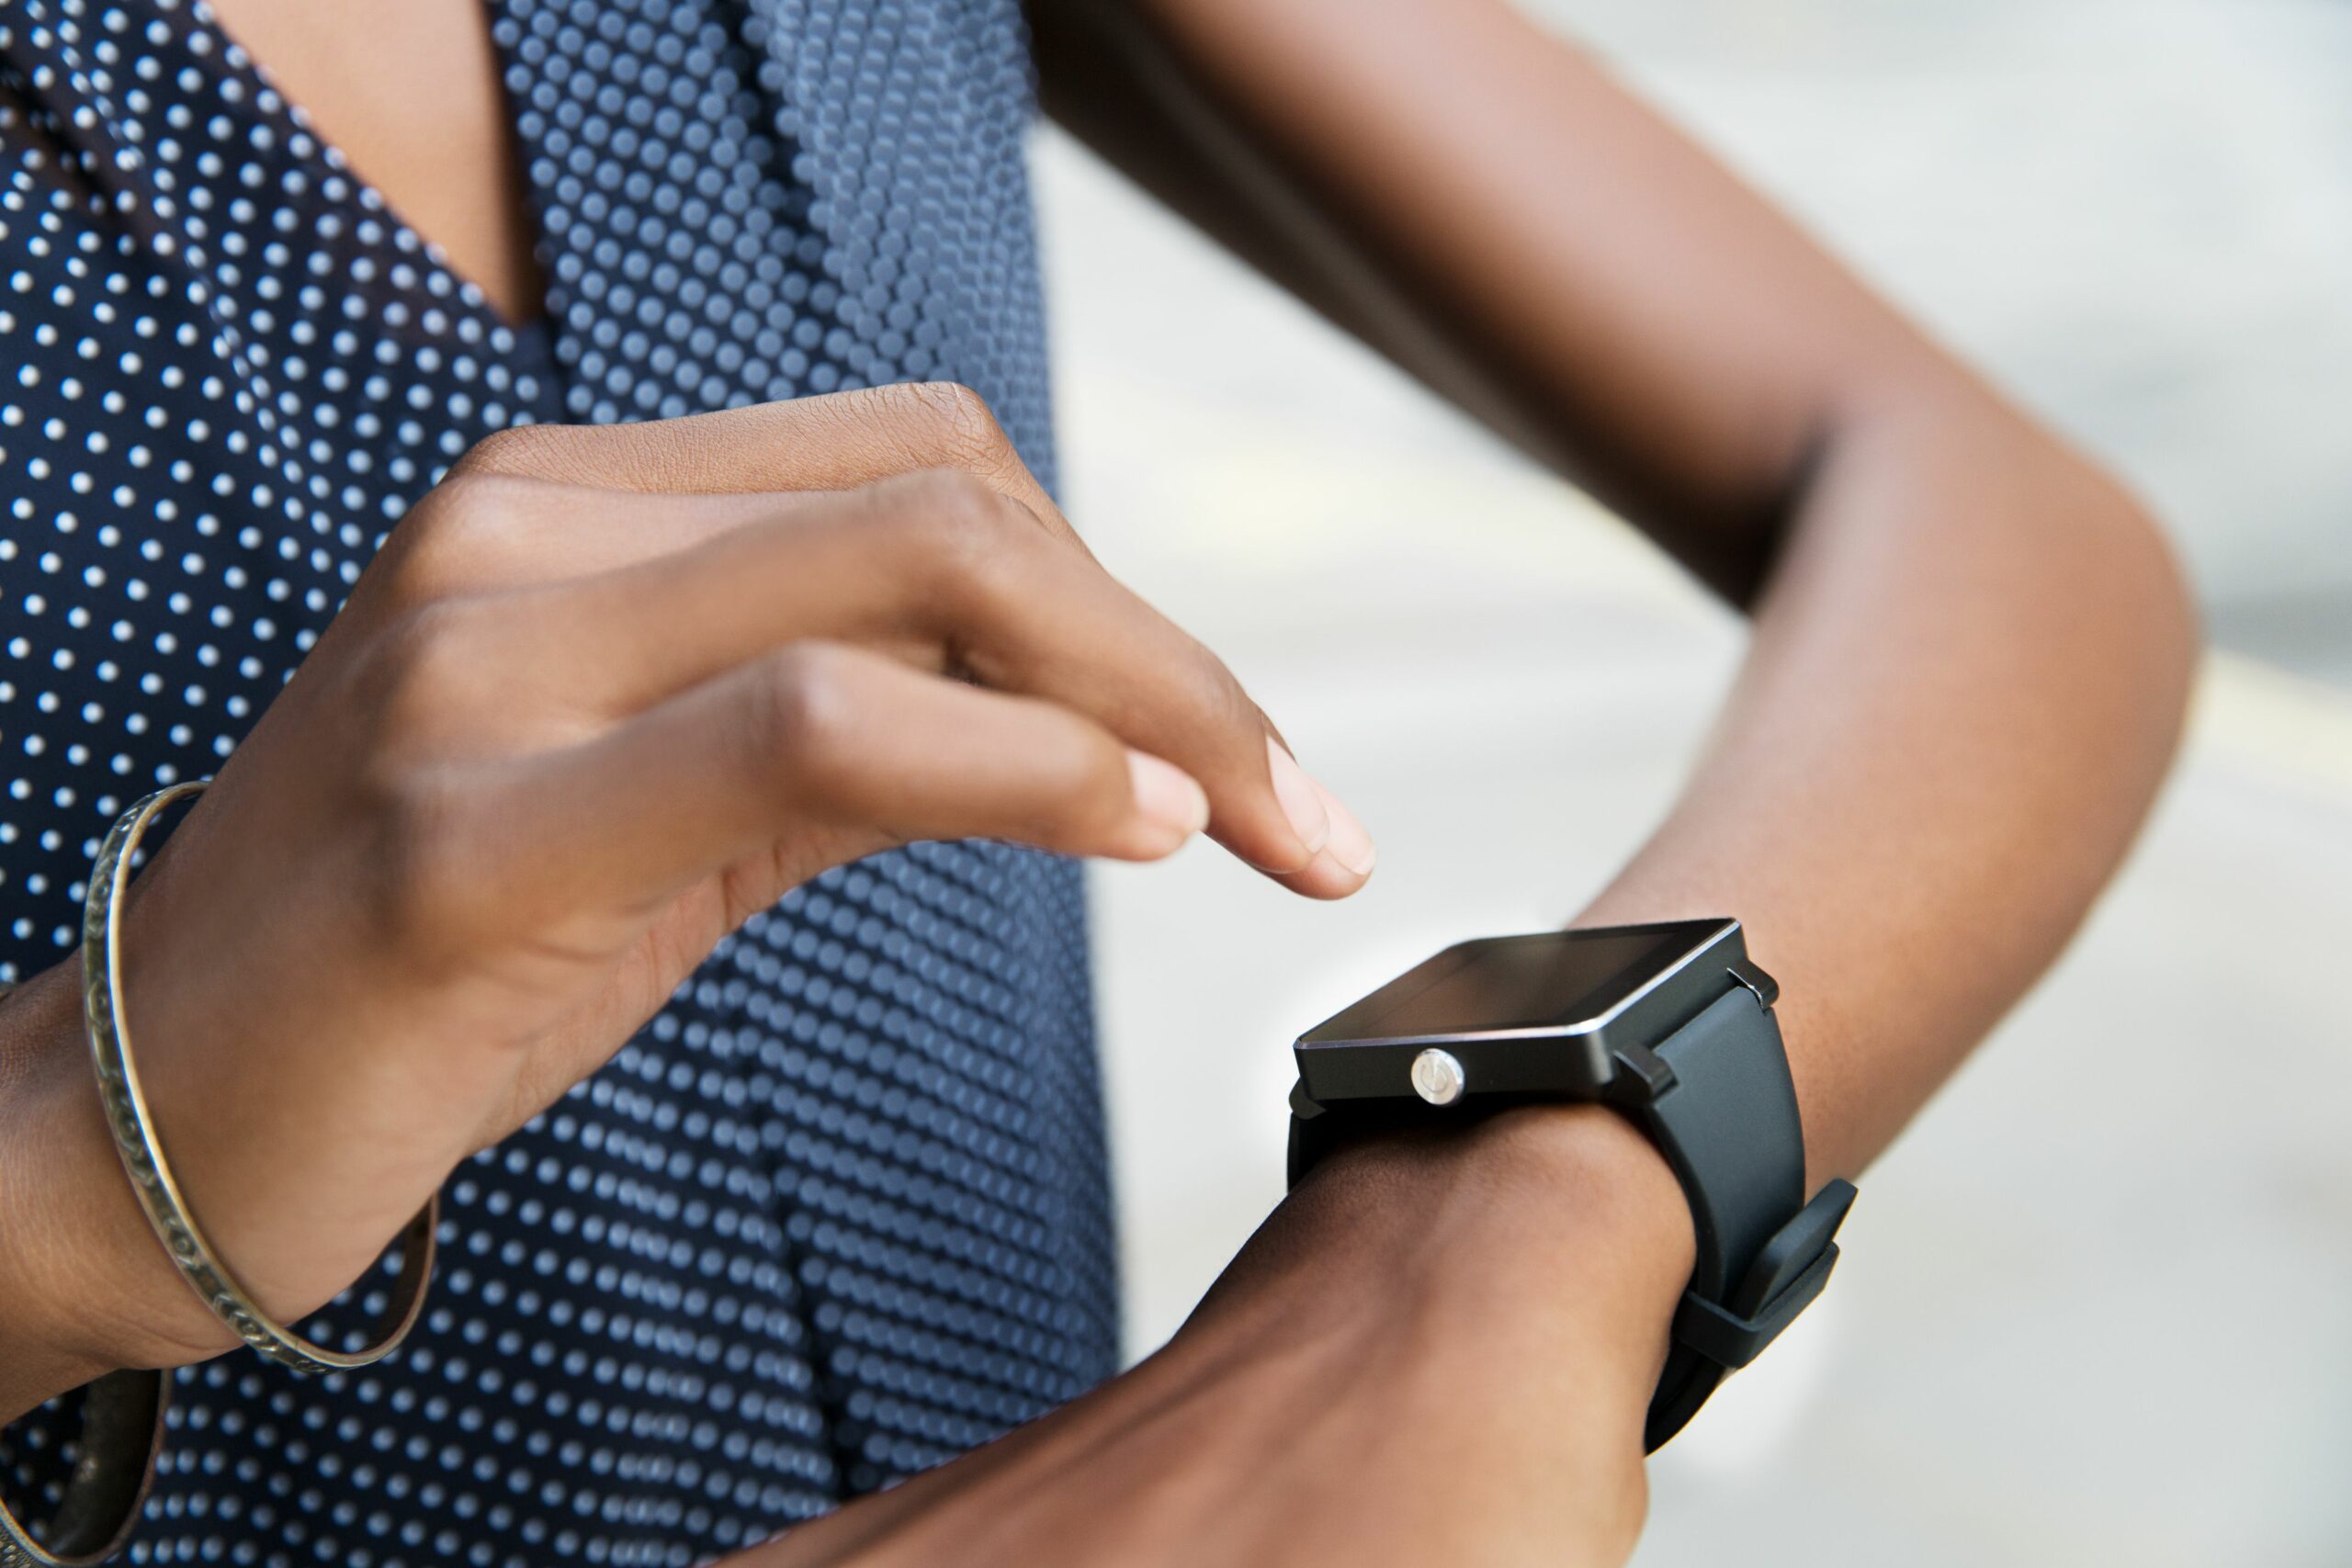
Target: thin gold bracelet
[122, 1431]
[142, 1151]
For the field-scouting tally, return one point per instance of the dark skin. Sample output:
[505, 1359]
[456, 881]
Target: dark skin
[1970, 661]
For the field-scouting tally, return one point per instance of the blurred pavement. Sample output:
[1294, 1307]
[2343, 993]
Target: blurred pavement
[2092, 1307]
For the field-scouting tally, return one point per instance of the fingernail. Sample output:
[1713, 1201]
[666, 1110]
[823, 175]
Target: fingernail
[1301, 797]
[1350, 844]
[1166, 794]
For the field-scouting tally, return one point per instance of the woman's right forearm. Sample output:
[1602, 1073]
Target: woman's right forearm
[602, 697]
[38, 1359]
[89, 1287]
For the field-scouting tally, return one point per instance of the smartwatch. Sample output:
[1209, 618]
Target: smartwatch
[1672, 1025]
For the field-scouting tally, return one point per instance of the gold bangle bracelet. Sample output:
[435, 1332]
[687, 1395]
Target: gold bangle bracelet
[122, 1431]
[142, 1151]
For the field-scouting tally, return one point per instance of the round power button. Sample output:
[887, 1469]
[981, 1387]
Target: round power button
[1437, 1076]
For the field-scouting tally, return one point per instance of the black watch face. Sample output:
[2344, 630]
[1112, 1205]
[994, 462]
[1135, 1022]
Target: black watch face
[1552, 980]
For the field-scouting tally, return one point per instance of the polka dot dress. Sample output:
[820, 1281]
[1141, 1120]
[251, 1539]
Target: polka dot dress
[841, 1210]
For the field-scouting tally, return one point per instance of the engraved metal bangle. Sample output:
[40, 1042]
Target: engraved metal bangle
[142, 1153]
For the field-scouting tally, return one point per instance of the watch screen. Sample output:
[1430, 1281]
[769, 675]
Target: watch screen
[1519, 982]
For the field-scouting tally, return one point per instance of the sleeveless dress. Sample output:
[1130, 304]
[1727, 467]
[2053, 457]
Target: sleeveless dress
[840, 1212]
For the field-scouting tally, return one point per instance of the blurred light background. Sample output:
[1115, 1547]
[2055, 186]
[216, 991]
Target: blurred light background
[2092, 1307]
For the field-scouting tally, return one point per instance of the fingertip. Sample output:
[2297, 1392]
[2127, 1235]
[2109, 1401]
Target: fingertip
[1305, 803]
[1349, 844]
[1325, 878]
[1170, 801]
[1344, 863]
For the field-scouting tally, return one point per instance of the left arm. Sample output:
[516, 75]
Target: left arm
[1971, 650]
[1970, 658]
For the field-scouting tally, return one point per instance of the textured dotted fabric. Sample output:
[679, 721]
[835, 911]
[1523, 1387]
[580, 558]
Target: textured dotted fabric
[840, 1212]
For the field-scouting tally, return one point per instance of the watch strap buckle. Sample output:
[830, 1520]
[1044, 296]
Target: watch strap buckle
[1787, 1275]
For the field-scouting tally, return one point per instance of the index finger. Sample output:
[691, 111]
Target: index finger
[840, 441]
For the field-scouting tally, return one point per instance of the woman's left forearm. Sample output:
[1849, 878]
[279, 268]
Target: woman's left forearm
[1967, 679]
[1969, 668]
[1972, 649]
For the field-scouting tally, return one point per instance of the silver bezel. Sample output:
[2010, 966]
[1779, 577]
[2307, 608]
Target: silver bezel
[1598, 1022]
[1594, 1064]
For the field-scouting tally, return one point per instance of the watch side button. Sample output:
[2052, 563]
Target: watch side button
[1437, 1076]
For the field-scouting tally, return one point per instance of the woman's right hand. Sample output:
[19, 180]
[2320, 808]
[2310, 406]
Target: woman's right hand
[604, 694]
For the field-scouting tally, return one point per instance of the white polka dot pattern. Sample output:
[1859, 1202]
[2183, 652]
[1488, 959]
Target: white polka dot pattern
[841, 1210]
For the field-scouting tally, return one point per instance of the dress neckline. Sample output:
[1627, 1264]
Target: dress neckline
[207, 37]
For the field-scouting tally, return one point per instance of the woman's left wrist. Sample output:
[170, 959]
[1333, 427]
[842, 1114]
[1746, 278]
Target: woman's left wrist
[1536, 1224]
[1501, 1292]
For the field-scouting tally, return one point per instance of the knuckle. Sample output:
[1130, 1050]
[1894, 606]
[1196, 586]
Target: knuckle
[425, 670]
[1088, 793]
[964, 531]
[428, 895]
[947, 425]
[519, 449]
[420, 560]
[1210, 699]
[452, 539]
[1093, 771]
[967, 428]
[480, 503]
[800, 713]
[1219, 695]
[951, 500]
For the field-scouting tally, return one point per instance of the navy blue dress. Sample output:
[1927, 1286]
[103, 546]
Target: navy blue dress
[841, 1210]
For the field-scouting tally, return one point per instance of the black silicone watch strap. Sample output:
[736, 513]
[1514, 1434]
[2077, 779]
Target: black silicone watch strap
[1728, 1126]
[1730, 1129]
